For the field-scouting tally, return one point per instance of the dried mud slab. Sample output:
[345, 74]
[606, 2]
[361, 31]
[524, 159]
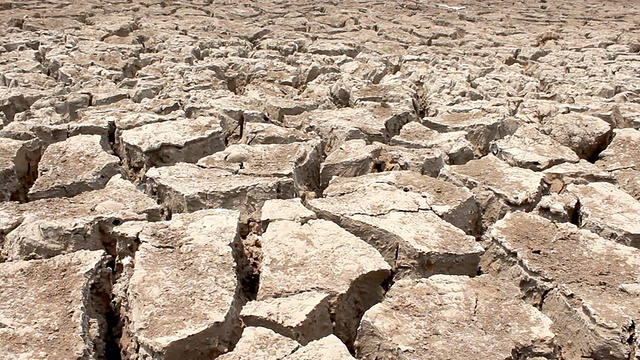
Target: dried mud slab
[430, 318]
[264, 133]
[18, 167]
[125, 119]
[422, 161]
[454, 204]
[609, 212]
[530, 149]
[303, 317]
[353, 158]
[169, 142]
[580, 173]
[586, 135]
[78, 164]
[481, 128]
[330, 348]
[50, 227]
[454, 144]
[55, 308]
[621, 160]
[51, 121]
[559, 207]
[184, 296]
[340, 125]
[276, 106]
[587, 285]
[400, 225]
[498, 187]
[353, 282]
[285, 209]
[187, 187]
[299, 161]
[261, 344]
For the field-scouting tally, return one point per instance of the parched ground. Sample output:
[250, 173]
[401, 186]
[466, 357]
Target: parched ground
[319, 180]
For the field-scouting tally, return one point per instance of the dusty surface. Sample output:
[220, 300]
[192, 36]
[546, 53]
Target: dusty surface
[586, 284]
[261, 343]
[609, 212]
[304, 317]
[49, 227]
[54, 308]
[345, 267]
[401, 226]
[426, 318]
[188, 261]
[73, 166]
[255, 177]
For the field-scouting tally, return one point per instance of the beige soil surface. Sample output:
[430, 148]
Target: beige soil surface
[403, 179]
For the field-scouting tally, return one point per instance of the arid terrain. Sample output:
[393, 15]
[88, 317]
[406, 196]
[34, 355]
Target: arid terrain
[376, 180]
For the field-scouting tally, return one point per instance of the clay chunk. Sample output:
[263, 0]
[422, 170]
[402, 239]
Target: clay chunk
[261, 344]
[609, 212]
[329, 348]
[18, 167]
[586, 135]
[78, 164]
[454, 204]
[345, 267]
[341, 125]
[393, 215]
[50, 227]
[454, 317]
[457, 148]
[621, 159]
[499, 188]
[304, 317]
[184, 298]
[298, 161]
[481, 127]
[353, 158]
[169, 142]
[586, 284]
[55, 308]
[187, 187]
[530, 149]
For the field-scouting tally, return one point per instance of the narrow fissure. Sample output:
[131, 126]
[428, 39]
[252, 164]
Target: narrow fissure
[248, 256]
[114, 333]
[576, 217]
[118, 248]
[543, 297]
[106, 345]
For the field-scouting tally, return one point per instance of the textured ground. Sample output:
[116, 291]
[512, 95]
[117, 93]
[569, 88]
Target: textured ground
[319, 180]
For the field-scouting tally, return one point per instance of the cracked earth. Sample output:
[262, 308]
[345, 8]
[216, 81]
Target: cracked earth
[319, 180]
